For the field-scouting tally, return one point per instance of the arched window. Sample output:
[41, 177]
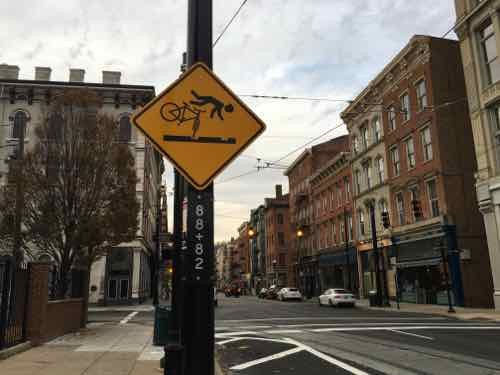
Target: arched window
[125, 130]
[19, 125]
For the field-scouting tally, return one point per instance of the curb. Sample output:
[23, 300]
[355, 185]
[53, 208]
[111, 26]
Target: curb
[9, 352]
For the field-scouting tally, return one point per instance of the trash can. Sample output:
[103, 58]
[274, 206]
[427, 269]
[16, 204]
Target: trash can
[162, 315]
[372, 296]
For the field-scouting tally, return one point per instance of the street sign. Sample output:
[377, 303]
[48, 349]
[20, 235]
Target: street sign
[199, 124]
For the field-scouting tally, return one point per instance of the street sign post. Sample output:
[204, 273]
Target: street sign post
[199, 124]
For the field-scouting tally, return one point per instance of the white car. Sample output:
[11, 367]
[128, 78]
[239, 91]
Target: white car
[336, 297]
[289, 293]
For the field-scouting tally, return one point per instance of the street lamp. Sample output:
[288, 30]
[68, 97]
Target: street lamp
[275, 272]
[300, 233]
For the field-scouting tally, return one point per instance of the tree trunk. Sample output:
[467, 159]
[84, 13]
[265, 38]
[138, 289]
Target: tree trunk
[85, 296]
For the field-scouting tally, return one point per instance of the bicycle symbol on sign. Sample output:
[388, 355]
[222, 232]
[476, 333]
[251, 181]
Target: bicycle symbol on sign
[172, 112]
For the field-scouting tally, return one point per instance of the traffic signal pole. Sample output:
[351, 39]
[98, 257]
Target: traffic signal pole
[376, 254]
[198, 314]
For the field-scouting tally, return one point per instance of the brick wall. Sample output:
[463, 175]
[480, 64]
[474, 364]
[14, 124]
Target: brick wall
[64, 317]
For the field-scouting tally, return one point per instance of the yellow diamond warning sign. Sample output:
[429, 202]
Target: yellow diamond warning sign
[199, 124]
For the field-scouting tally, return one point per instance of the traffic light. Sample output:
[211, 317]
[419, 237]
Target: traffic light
[417, 209]
[385, 219]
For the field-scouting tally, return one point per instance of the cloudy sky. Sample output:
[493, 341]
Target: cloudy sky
[298, 48]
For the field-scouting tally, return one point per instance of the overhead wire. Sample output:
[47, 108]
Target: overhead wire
[229, 23]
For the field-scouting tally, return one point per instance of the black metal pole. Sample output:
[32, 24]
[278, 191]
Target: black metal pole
[446, 277]
[376, 254]
[396, 275]
[348, 265]
[198, 330]
[157, 251]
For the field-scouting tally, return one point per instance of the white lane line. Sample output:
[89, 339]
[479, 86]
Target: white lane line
[283, 331]
[229, 340]
[360, 324]
[306, 318]
[411, 334]
[267, 359]
[256, 327]
[129, 317]
[229, 334]
[327, 358]
[407, 328]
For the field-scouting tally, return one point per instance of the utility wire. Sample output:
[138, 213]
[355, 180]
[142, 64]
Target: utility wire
[295, 98]
[229, 23]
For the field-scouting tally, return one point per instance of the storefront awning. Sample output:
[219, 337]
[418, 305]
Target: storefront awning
[419, 263]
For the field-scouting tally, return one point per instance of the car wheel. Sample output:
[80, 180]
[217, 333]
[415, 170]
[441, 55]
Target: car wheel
[330, 302]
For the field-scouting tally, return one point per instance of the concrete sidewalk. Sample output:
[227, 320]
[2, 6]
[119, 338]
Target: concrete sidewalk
[465, 313]
[102, 349]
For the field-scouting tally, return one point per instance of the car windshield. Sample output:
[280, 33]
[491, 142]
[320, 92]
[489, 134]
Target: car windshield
[293, 290]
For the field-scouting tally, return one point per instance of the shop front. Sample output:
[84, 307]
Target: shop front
[424, 272]
[308, 277]
[338, 268]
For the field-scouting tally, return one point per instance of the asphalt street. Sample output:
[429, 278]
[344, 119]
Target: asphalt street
[256, 336]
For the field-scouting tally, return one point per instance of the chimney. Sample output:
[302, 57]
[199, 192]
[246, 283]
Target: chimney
[279, 191]
[112, 78]
[9, 71]
[42, 73]
[76, 75]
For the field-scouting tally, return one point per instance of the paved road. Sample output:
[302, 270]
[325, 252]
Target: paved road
[269, 337]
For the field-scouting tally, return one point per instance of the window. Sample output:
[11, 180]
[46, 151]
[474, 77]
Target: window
[280, 218]
[433, 198]
[125, 129]
[383, 206]
[490, 55]
[355, 144]
[410, 153]
[405, 107]
[426, 143]
[395, 160]
[414, 195]
[347, 189]
[342, 230]
[339, 195]
[392, 118]
[349, 227]
[377, 130]
[400, 207]
[367, 169]
[421, 95]
[334, 233]
[361, 222]
[332, 202]
[379, 163]
[364, 137]
[19, 126]
[357, 178]
[281, 238]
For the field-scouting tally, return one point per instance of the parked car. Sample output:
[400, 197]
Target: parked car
[262, 293]
[233, 291]
[336, 297]
[289, 293]
[272, 292]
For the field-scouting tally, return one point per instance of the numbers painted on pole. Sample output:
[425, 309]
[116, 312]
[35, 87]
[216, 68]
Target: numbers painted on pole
[199, 250]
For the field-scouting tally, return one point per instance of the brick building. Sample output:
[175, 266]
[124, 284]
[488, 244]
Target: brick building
[258, 248]
[478, 30]
[243, 254]
[428, 139]
[304, 263]
[333, 245]
[278, 234]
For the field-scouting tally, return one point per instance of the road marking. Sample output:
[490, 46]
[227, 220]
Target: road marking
[306, 318]
[283, 331]
[407, 328]
[267, 359]
[256, 327]
[327, 358]
[358, 324]
[411, 334]
[226, 334]
[129, 317]
[229, 340]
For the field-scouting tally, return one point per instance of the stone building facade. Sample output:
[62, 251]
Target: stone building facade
[258, 248]
[124, 275]
[478, 30]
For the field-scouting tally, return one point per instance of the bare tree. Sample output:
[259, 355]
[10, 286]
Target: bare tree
[79, 187]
